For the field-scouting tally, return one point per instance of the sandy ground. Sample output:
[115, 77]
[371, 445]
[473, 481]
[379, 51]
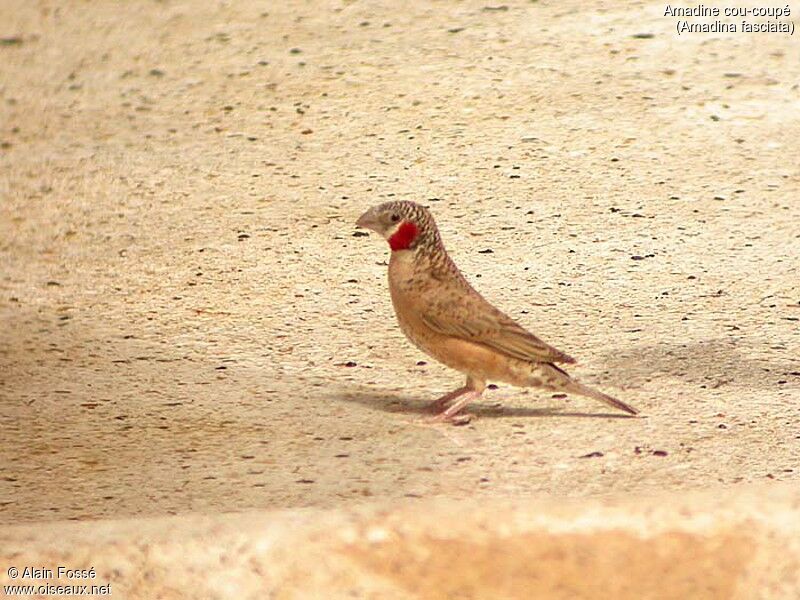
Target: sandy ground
[181, 290]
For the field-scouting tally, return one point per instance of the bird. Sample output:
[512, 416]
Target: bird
[440, 312]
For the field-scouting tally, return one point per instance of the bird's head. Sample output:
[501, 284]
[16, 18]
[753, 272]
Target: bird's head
[405, 225]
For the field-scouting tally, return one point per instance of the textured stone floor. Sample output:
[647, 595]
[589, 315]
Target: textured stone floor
[705, 546]
[181, 290]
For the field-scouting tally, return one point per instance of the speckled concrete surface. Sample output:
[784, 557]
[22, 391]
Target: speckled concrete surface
[739, 546]
[181, 290]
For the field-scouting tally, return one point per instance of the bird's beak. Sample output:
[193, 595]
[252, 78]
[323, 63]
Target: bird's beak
[367, 220]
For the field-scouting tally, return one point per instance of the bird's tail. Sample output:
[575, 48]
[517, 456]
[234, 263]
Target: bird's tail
[585, 390]
[553, 377]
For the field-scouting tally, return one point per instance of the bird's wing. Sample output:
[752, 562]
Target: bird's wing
[478, 321]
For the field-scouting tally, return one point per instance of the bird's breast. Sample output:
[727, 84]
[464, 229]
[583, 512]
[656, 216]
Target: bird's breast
[408, 287]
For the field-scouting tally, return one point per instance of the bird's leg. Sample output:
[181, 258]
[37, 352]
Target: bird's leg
[472, 390]
[472, 384]
[450, 414]
[441, 403]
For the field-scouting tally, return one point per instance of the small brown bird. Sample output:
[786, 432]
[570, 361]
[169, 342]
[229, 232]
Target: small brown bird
[445, 317]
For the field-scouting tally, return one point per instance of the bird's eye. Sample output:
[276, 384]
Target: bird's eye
[395, 218]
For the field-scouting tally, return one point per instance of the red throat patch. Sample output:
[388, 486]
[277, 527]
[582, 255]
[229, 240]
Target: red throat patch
[404, 236]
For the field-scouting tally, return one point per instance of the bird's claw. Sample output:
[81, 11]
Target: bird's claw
[459, 420]
[456, 420]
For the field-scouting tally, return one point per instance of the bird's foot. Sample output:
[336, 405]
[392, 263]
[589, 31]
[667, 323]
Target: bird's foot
[462, 419]
[460, 400]
[432, 422]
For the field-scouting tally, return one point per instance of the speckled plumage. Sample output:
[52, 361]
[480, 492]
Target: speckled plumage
[445, 317]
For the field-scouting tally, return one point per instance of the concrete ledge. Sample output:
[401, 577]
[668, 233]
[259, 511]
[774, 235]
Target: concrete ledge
[743, 544]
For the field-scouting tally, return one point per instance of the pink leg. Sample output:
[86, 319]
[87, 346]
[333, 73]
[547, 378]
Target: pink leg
[450, 414]
[441, 403]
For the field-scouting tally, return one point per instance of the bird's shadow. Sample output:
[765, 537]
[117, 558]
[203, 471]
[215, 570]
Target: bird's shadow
[402, 404]
[711, 363]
